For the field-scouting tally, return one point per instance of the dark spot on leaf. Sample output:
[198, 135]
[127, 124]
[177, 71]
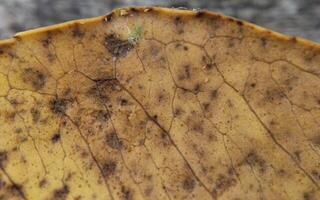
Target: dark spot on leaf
[3, 158]
[179, 24]
[109, 168]
[113, 141]
[240, 23]
[256, 161]
[214, 94]
[316, 174]
[61, 194]
[117, 47]
[123, 102]
[34, 77]
[77, 32]
[35, 114]
[189, 184]
[56, 138]
[58, 106]
[297, 155]
[223, 183]
[43, 183]
[16, 190]
[127, 193]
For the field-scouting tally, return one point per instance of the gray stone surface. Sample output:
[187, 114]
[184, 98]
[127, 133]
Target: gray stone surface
[293, 17]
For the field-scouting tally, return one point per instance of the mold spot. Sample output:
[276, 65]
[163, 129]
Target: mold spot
[117, 47]
[62, 193]
[272, 95]
[179, 24]
[316, 174]
[56, 138]
[113, 141]
[189, 184]
[263, 42]
[177, 112]
[109, 168]
[101, 115]
[34, 77]
[17, 190]
[240, 23]
[256, 161]
[123, 102]
[3, 158]
[127, 193]
[213, 94]
[35, 114]
[297, 155]
[58, 106]
[77, 32]
[223, 183]
[43, 183]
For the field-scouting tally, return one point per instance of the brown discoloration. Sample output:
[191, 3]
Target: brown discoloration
[109, 168]
[35, 77]
[113, 141]
[118, 47]
[61, 193]
[189, 184]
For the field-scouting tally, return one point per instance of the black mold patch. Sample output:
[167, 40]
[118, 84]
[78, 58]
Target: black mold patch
[58, 106]
[109, 168]
[189, 184]
[123, 102]
[113, 141]
[118, 47]
[56, 138]
[126, 193]
[17, 190]
[34, 77]
[61, 194]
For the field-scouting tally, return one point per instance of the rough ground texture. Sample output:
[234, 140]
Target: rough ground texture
[293, 17]
[154, 103]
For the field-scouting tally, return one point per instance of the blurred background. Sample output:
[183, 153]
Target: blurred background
[293, 17]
